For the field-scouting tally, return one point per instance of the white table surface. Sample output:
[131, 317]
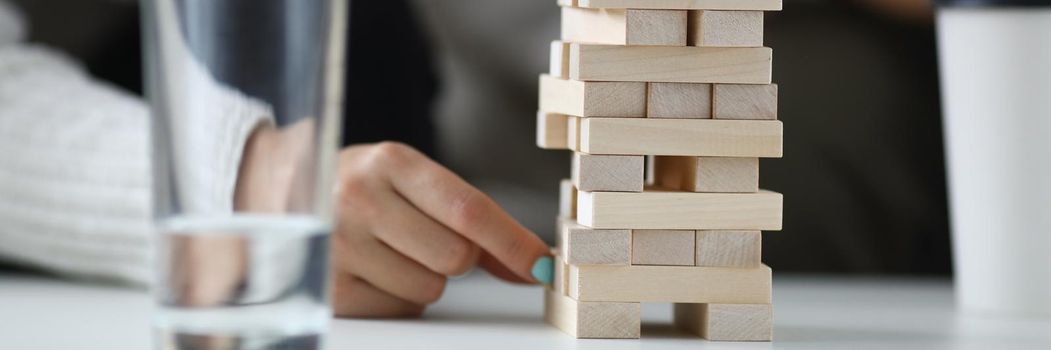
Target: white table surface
[478, 312]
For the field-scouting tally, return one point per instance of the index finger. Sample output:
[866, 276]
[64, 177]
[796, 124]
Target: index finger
[449, 199]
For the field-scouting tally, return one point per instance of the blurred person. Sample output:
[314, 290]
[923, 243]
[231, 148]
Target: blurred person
[74, 179]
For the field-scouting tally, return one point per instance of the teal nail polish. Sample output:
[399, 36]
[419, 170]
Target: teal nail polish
[543, 269]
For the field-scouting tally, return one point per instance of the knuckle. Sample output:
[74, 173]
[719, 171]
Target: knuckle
[391, 152]
[469, 209]
[431, 290]
[460, 257]
[357, 199]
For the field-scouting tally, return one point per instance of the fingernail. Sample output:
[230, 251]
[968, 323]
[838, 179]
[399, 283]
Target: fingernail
[543, 269]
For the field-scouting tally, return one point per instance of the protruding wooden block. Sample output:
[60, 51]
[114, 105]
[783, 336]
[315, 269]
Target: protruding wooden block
[727, 322]
[673, 64]
[679, 137]
[679, 100]
[663, 247]
[559, 65]
[707, 174]
[672, 210]
[567, 199]
[573, 133]
[585, 245]
[739, 101]
[608, 172]
[757, 5]
[587, 99]
[558, 281]
[675, 284]
[729, 248]
[624, 26]
[726, 28]
[583, 319]
[551, 131]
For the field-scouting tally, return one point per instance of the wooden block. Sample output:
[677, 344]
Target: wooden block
[587, 99]
[726, 28]
[667, 210]
[551, 131]
[729, 248]
[567, 199]
[588, 319]
[559, 65]
[679, 100]
[573, 133]
[738, 101]
[624, 26]
[567, 2]
[675, 284]
[727, 322]
[558, 282]
[663, 247]
[678, 137]
[674, 64]
[758, 5]
[584, 245]
[707, 174]
[608, 172]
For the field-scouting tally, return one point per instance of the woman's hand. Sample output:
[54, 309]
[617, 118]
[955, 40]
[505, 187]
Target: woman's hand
[405, 224]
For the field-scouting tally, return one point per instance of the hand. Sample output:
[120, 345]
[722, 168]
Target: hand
[405, 223]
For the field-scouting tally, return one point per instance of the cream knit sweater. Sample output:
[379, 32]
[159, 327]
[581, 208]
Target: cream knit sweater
[75, 195]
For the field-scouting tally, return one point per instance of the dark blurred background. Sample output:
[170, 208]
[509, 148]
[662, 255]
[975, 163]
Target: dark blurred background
[863, 173]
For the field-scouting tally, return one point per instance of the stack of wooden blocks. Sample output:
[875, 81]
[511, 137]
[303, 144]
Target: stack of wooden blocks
[668, 106]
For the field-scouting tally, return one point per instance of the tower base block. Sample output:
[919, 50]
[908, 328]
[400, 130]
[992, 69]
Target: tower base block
[590, 319]
[727, 322]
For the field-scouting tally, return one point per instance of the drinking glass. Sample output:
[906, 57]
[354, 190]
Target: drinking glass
[246, 102]
[996, 82]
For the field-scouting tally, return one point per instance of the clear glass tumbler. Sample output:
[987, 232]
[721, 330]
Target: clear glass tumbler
[246, 98]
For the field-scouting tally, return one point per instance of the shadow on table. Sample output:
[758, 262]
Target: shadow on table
[482, 317]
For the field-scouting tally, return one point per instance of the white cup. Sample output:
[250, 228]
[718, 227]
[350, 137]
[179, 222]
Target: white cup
[995, 63]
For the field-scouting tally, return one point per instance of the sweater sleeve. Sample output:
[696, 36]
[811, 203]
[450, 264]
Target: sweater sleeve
[74, 184]
[75, 180]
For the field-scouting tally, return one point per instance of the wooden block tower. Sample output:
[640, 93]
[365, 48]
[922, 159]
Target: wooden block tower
[667, 106]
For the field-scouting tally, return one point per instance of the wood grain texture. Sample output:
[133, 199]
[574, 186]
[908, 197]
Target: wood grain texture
[679, 100]
[760, 5]
[587, 99]
[739, 101]
[624, 26]
[663, 247]
[567, 199]
[585, 245]
[727, 322]
[582, 319]
[672, 210]
[726, 28]
[558, 67]
[676, 284]
[675, 64]
[551, 131]
[729, 248]
[707, 174]
[656, 27]
[679, 137]
[608, 172]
